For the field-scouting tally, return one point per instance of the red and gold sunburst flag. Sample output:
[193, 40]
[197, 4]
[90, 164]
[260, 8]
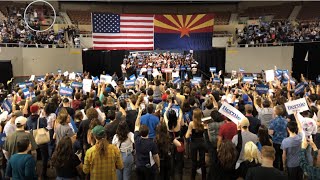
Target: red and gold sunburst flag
[183, 32]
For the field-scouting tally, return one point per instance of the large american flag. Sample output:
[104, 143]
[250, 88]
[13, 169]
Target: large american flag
[122, 31]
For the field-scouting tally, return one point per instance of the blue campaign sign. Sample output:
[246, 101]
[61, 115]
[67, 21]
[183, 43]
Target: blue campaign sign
[6, 105]
[128, 83]
[26, 92]
[216, 80]
[262, 89]
[247, 79]
[76, 84]
[241, 70]
[2, 138]
[132, 77]
[213, 69]
[176, 80]
[64, 91]
[22, 85]
[299, 88]
[197, 78]
[29, 83]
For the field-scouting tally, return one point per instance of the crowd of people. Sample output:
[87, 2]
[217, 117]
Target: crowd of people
[277, 32]
[14, 32]
[148, 130]
[160, 65]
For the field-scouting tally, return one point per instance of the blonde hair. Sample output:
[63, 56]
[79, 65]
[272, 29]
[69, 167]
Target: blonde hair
[251, 152]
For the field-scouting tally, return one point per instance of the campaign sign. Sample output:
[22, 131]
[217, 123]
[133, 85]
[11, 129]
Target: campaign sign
[216, 80]
[28, 84]
[64, 91]
[213, 69]
[262, 89]
[299, 88]
[26, 92]
[232, 113]
[197, 79]
[95, 79]
[269, 75]
[6, 105]
[40, 79]
[114, 84]
[22, 85]
[227, 82]
[141, 77]
[76, 85]
[194, 82]
[128, 83]
[241, 70]
[247, 79]
[298, 105]
[176, 80]
[234, 82]
[86, 85]
[132, 77]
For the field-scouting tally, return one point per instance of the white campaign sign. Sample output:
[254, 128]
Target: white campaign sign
[175, 74]
[114, 84]
[227, 82]
[32, 78]
[108, 79]
[87, 85]
[103, 78]
[269, 75]
[232, 113]
[299, 105]
[234, 82]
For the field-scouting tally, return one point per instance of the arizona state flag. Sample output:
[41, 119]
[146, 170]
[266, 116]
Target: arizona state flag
[183, 32]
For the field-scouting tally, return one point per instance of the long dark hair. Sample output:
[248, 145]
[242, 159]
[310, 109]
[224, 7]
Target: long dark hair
[264, 136]
[62, 153]
[162, 139]
[122, 131]
[172, 119]
[227, 154]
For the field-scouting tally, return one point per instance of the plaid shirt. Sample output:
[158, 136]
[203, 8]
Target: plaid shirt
[313, 172]
[105, 167]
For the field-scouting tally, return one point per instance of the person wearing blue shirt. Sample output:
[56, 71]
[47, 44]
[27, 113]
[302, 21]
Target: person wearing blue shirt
[278, 131]
[151, 121]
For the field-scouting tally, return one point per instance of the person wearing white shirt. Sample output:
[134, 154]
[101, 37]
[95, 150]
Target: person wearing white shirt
[124, 140]
[10, 126]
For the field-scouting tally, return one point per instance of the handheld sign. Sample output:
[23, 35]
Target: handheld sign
[132, 77]
[6, 105]
[299, 105]
[216, 80]
[213, 69]
[176, 80]
[40, 79]
[232, 113]
[103, 78]
[234, 82]
[26, 92]
[64, 91]
[262, 89]
[59, 71]
[175, 74]
[76, 85]
[22, 85]
[241, 70]
[194, 82]
[197, 79]
[72, 76]
[299, 88]
[32, 78]
[128, 83]
[95, 79]
[227, 82]
[28, 84]
[114, 84]
[86, 85]
[269, 75]
[247, 79]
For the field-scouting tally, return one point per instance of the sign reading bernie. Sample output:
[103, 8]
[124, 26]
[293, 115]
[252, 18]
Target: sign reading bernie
[298, 105]
[232, 113]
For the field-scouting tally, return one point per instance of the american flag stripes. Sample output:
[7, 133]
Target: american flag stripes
[122, 31]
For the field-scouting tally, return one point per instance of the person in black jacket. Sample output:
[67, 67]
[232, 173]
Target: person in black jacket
[32, 124]
[251, 159]
[223, 161]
